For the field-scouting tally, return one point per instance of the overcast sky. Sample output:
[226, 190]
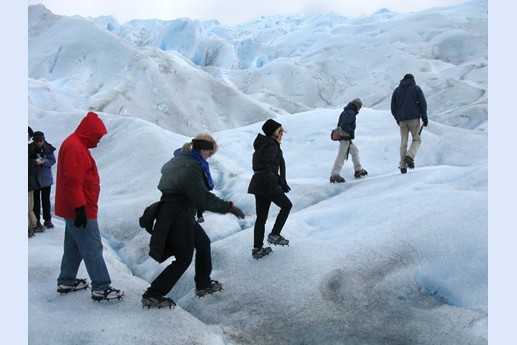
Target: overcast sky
[228, 11]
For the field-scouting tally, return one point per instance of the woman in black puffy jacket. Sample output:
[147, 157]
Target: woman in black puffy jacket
[269, 184]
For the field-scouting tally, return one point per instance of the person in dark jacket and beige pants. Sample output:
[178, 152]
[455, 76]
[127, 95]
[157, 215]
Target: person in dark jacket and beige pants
[408, 105]
[346, 129]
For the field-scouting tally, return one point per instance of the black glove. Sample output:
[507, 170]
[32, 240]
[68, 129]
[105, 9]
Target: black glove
[80, 217]
[425, 122]
[236, 212]
[352, 135]
[286, 188]
[200, 218]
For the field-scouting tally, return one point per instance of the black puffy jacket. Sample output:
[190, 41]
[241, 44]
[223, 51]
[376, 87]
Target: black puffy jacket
[268, 162]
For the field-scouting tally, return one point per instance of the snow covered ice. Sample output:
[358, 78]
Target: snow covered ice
[385, 259]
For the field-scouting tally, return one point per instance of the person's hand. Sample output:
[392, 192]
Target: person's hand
[39, 161]
[80, 217]
[425, 123]
[286, 188]
[237, 212]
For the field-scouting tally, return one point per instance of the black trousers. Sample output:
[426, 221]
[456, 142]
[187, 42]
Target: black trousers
[183, 238]
[42, 200]
[262, 205]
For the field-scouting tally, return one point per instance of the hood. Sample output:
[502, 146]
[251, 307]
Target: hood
[91, 130]
[260, 140]
[407, 82]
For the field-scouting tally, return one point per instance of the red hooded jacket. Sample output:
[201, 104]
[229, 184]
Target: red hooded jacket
[77, 180]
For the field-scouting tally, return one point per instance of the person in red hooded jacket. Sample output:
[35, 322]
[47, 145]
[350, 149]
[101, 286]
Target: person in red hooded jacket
[77, 194]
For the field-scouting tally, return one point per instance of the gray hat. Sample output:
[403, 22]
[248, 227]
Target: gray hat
[357, 102]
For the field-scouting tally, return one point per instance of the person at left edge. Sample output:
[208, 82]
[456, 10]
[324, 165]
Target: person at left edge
[44, 151]
[33, 184]
[77, 195]
[186, 185]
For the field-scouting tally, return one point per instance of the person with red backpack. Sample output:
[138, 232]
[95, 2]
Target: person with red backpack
[346, 129]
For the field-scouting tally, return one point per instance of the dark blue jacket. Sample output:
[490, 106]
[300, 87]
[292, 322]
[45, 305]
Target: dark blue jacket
[43, 171]
[347, 119]
[408, 102]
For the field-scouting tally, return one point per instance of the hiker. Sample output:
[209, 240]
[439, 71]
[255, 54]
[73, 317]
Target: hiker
[186, 185]
[346, 129]
[77, 196]
[408, 105]
[32, 185]
[269, 185]
[44, 151]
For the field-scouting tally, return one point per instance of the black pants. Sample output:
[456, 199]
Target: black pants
[183, 238]
[42, 200]
[262, 204]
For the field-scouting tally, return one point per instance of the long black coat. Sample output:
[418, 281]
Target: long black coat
[184, 188]
[268, 162]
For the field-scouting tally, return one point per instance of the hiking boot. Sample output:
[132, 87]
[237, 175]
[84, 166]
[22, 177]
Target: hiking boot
[48, 224]
[107, 294]
[80, 284]
[151, 300]
[31, 233]
[360, 173]
[336, 179]
[214, 287]
[403, 170]
[277, 240]
[410, 162]
[258, 253]
[39, 227]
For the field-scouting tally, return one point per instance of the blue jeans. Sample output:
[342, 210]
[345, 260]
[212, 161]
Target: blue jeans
[83, 244]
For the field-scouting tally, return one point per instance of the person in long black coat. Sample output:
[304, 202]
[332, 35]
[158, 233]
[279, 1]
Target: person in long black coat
[269, 185]
[186, 186]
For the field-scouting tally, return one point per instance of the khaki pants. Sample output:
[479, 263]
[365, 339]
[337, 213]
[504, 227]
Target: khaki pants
[32, 217]
[344, 146]
[406, 127]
